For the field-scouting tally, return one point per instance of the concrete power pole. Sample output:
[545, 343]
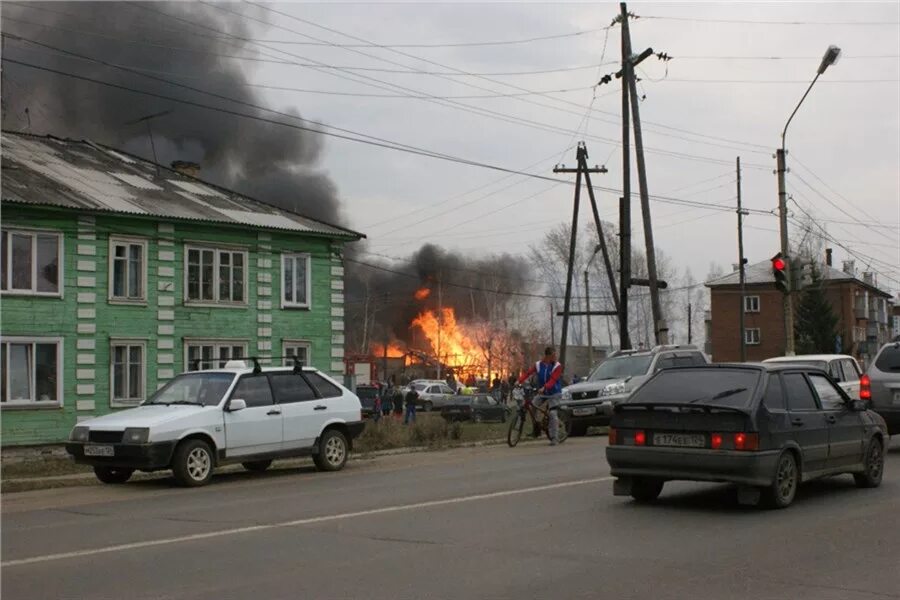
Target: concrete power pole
[786, 253]
[742, 274]
[625, 200]
[660, 330]
[587, 310]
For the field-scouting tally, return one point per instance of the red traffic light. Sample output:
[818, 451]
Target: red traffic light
[778, 264]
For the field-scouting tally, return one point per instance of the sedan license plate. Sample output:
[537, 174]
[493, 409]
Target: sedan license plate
[99, 451]
[581, 412]
[680, 440]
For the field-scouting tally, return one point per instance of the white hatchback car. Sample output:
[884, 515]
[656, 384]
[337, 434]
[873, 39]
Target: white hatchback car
[203, 419]
[843, 368]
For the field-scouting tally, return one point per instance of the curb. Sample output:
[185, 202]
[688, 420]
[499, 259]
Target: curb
[35, 483]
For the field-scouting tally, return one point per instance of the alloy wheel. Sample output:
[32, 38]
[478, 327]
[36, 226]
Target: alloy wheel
[787, 477]
[334, 451]
[198, 464]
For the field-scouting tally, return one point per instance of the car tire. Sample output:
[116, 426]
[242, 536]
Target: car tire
[257, 466]
[113, 474]
[874, 465]
[193, 463]
[646, 490]
[333, 450]
[428, 407]
[578, 430]
[783, 490]
[503, 417]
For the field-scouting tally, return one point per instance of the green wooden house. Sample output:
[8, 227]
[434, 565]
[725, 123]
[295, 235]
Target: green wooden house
[117, 274]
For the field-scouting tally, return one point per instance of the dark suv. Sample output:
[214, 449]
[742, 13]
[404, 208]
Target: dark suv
[883, 382]
[591, 402]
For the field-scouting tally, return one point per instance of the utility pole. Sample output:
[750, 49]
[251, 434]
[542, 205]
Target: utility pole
[785, 252]
[587, 309]
[690, 322]
[741, 271]
[659, 328]
[581, 169]
[625, 201]
[440, 322]
[552, 326]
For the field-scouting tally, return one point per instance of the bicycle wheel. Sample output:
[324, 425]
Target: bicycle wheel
[562, 433]
[516, 425]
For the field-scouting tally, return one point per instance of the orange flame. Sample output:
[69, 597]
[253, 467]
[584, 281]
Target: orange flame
[455, 347]
[394, 350]
[422, 293]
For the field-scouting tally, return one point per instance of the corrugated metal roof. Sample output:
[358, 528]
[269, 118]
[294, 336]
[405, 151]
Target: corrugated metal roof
[87, 176]
[761, 273]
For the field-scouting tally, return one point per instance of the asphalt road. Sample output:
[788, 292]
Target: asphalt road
[495, 522]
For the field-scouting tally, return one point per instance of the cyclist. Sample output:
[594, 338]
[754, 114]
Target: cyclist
[549, 375]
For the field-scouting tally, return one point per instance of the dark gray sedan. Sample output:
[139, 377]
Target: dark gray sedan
[766, 427]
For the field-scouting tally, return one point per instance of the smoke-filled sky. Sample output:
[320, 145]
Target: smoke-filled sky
[736, 74]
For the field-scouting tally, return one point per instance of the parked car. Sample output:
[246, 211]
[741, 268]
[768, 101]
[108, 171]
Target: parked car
[474, 408]
[591, 401]
[881, 385]
[434, 395]
[204, 419]
[766, 427]
[841, 367]
[367, 395]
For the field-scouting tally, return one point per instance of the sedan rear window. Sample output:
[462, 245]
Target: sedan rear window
[889, 359]
[723, 387]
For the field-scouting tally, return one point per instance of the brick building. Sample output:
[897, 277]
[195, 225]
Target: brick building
[863, 311]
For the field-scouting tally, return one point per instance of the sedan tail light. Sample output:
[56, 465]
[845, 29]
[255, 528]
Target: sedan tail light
[612, 436]
[640, 438]
[865, 388]
[746, 441]
[715, 441]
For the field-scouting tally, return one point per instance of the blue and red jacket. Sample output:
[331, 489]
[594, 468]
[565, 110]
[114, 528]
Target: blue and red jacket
[548, 376]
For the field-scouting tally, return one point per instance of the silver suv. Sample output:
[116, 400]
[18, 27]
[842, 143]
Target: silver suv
[883, 379]
[591, 402]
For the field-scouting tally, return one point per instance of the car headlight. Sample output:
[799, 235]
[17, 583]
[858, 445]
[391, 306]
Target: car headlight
[136, 435]
[613, 389]
[566, 395]
[79, 434]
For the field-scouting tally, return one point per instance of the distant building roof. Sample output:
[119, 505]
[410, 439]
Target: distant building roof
[83, 175]
[761, 273]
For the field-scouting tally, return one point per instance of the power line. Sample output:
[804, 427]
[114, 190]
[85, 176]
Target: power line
[774, 81]
[757, 22]
[363, 138]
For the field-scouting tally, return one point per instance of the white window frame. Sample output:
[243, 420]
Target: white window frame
[217, 251]
[60, 260]
[748, 338]
[216, 345]
[127, 241]
[748, 304]
[308, 259]
[60, 370]
[120, 402]
[294, 345]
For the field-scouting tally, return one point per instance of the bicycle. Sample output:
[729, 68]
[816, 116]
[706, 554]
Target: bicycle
[527, 408]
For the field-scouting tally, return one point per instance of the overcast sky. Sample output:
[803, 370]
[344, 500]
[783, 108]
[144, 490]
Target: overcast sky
[844, 142]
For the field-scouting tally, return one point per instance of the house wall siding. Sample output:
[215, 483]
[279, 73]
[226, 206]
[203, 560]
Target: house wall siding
[165, 321]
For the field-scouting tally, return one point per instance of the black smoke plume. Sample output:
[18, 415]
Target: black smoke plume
[272, 163]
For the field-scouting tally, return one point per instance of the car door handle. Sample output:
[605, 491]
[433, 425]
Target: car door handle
[797, 422]
[274, 411]
[320, 407]
[831, 419]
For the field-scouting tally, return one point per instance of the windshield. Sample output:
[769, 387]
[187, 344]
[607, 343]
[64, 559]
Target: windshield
[365, 393]
[725, 387]
[205, 389]
[621, 367]
[889, 359]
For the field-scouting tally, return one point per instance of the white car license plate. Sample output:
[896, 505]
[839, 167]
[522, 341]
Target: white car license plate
[681, 440]
[581, 412]
[99, 451]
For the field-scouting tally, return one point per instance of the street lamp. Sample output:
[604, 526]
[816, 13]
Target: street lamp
[831, 56]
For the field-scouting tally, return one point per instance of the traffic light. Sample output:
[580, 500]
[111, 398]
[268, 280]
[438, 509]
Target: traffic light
[779, 270]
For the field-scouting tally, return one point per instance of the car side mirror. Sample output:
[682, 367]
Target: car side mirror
[858, 405]
[236, 404]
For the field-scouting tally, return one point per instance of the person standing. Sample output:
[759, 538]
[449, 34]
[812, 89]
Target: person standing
[495, 387]
[411, 397]
[376, 409]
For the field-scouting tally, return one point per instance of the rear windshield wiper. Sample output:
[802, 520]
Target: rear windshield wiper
[679, 405]
[720, 395]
